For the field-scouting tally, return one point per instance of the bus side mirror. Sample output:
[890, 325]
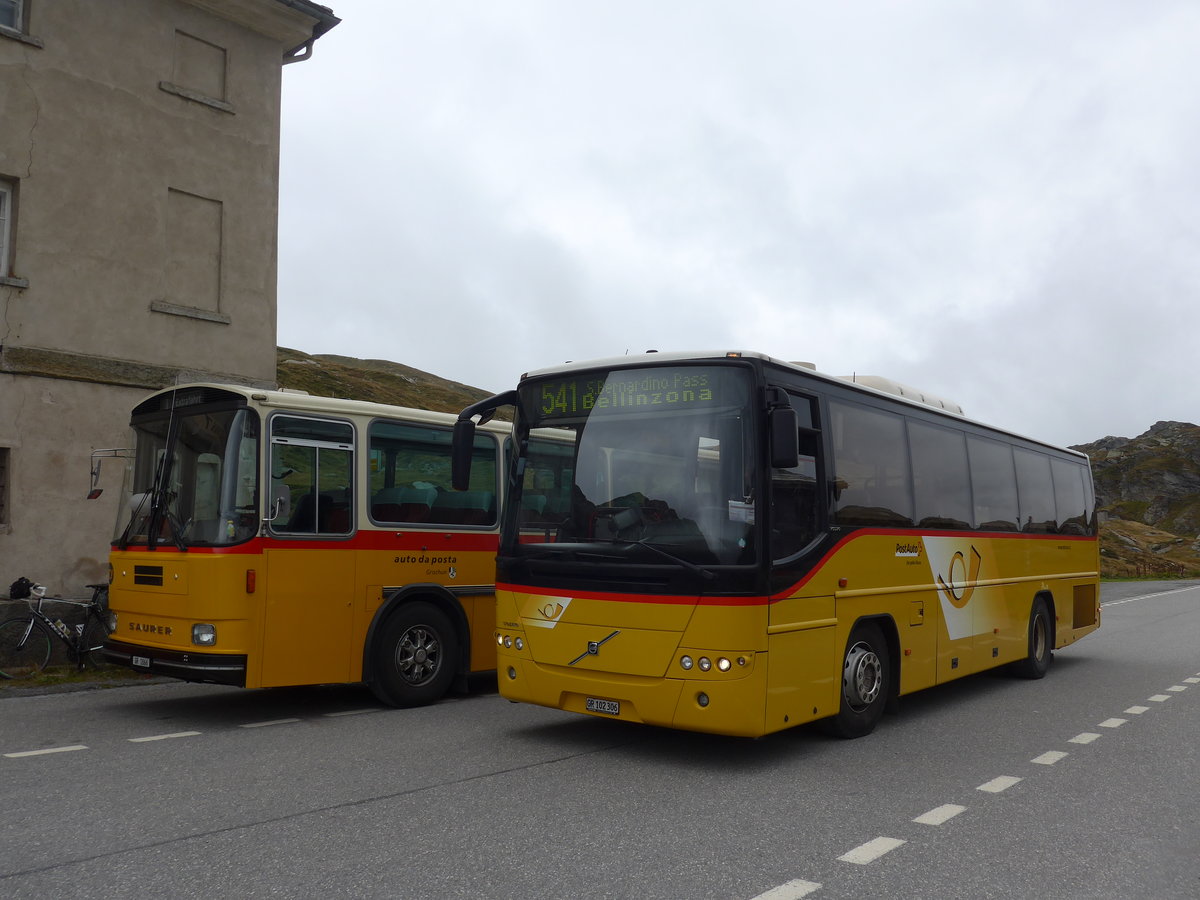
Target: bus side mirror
[98, 456]
[785, 438]
[460, 454]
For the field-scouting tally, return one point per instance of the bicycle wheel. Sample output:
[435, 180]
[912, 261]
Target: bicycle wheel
[91, 643]
[24, 648]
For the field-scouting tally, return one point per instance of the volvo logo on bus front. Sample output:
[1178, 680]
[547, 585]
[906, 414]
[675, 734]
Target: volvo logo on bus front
[593, 648]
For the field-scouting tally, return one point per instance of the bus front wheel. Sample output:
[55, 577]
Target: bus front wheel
[865, 689]
[1041, 648]
[415, 656]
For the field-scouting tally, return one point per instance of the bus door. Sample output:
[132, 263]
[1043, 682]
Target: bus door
[310, 575]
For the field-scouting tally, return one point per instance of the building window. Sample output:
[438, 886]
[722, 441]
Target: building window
[3, 485]
[14, 22]
[12, 14]
[6, 217]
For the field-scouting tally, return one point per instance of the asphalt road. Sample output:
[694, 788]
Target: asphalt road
[1081, 785]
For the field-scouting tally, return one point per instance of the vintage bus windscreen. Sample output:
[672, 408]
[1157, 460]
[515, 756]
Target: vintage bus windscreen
[194, 477]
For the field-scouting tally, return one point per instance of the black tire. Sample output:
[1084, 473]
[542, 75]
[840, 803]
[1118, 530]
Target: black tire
[91, 655]
[415, 656]
[1040, 643]
[24, 650]
[866, 683]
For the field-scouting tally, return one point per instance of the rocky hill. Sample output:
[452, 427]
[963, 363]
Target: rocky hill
[1147, 487]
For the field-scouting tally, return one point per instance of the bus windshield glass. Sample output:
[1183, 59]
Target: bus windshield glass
[663, 464]
[193, 480]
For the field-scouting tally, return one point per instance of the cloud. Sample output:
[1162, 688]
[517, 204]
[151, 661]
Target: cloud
[996, 203]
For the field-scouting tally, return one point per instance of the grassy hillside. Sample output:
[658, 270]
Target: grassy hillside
[372, 379]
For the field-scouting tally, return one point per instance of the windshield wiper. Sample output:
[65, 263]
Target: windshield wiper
[704, 573]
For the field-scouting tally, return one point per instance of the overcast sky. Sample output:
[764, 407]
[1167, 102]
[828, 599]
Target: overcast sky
[995, 202]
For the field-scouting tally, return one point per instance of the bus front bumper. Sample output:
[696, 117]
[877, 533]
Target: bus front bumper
[215, 668]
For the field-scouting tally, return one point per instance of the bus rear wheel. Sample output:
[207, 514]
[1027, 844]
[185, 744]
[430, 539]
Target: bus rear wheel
[866, 674]
[415, 656]
[1041, 643]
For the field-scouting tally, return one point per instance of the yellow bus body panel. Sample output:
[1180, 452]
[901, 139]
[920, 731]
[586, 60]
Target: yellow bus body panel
[943, 601]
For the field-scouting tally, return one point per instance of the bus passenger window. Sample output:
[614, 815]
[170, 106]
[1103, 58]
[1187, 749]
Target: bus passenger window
[870, 467]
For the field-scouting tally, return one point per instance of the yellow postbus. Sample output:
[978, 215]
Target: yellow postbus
[751, 545]
[270, 538]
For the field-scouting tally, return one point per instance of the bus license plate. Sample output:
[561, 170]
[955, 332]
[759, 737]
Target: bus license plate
[143, 661]
[608, 707]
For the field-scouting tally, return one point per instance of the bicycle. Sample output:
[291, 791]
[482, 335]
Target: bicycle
[26, 641]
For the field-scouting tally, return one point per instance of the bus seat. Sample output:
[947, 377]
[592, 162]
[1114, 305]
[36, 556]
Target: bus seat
[402, 504]
[464, 508]
[304, 516]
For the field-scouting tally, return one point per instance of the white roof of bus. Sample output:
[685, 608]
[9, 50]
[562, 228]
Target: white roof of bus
[298, 401]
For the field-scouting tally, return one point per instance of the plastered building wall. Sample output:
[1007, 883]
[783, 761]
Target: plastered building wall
[139, 150]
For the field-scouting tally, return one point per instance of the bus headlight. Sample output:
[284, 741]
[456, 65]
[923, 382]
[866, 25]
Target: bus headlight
[686, 662]
[204, 635]
[705, 664]
[724, 664]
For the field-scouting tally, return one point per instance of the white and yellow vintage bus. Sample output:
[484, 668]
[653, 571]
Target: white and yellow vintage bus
[751, 545]
[272, 538]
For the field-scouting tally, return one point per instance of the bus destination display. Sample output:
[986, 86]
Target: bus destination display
[639, 390]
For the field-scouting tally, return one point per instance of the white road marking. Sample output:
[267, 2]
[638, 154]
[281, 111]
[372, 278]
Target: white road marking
[1192, 680]
[163, 737]
[1049, 758]
[48, 750]
[351, 712]
[1159, 698]
[1137, 710]
[940, 815]
[1111, 723]
[1148, 596]
[867, 853]
[792, 890]
[1085, 738]
[266, 724]
[996, 785]
[1177, 688]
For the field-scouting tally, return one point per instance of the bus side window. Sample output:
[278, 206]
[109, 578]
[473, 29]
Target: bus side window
[993, 485]
[794, 500]
[1035, 492]
[871, 468]
[312, 465]
[941, 478]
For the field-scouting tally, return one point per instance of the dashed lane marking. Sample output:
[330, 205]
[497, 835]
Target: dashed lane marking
[793, 890]
[1177, 688]
[865, 854]
[1085, 738]
[162, 737]
[1111, 723]
[940, 815]
[351, 712]
[996, 785]
[1159, 698]
[270, 723]
[46, 751]
[1049, 758]
[1137, 710]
